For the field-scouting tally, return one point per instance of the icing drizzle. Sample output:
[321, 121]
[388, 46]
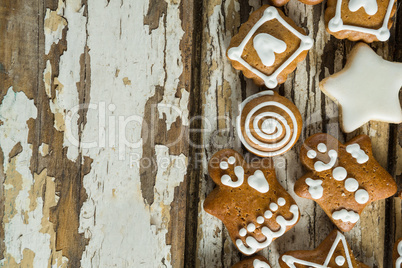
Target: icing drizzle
[383, 33]
[269, 14]
[290, 260]
[253, 245]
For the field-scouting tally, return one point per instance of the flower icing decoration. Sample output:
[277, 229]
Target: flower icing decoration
[343, 178]
[249, 201]
[268, 124]
[333, 252]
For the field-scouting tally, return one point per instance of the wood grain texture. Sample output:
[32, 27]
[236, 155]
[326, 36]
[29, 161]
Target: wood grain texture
[149, 83]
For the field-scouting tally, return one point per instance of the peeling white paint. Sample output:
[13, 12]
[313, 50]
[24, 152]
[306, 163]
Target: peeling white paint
[66, 100]
[123, 230]
[54, 26]
[22, 227]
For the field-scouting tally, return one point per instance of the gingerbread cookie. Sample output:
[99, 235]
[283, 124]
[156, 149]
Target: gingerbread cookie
[249, 201]
[333, 252]
[253, 262]
[343, 178]
[367, 20]
[268, 47]
[366, 89]
[268, 124]
[397, 254]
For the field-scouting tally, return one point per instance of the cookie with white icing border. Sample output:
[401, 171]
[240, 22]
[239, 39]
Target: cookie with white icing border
[366, 89]
[249, 200]
[256, 261]
[268, 124]
[397, 254]
[333, 252]
[268, 47]
[343, 178]
[366, 20]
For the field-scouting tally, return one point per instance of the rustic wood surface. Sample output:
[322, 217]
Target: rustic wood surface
[110, 110]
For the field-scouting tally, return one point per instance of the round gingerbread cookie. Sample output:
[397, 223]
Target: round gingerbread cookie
[366, 20]
[268, 124]
[268, 47]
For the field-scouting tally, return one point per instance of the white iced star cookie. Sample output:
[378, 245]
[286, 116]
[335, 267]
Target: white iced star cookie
[366, 89]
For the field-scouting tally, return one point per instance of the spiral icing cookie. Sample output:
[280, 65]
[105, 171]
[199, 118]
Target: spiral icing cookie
[333, 252]
[397, 254]
[343, 178]
[253, 262]
[249, 201]
[366, 89]
[268, 47]
[268, 124]
[367, 20]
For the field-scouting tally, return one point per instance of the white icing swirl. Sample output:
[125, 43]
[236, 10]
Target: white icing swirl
[271, 133]
[227, 180]
[321, 166]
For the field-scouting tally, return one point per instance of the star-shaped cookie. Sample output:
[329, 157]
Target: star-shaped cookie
[249, 200]
[366, 89]
[253, 262]
[333, 252]
[343, 178]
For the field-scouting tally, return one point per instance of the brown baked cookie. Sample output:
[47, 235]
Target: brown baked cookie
[280, 3]
[256, 261]
[268, 124]
[249, 201]
[333, 252]
[397, 254]
[367, 20]
[268, 47]
[343, 178]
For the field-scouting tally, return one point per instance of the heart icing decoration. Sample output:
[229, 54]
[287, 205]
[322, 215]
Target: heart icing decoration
[370, 6]
[258, 182]
[266, 46]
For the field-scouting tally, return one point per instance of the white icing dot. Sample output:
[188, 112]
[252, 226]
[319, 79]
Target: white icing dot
[339, 173]
[260, 219]
[340, 260]
[232, 160]
[351, 185]
[224, 165]
[281, 201]
[268, 214]
[269, 125]
[311, 154]
[362, 196]
[242, 232]
[251, 227]
[273, 207]
[322, 147]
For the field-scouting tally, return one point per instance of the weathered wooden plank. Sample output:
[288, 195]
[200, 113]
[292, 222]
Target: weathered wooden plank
[103, 158]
